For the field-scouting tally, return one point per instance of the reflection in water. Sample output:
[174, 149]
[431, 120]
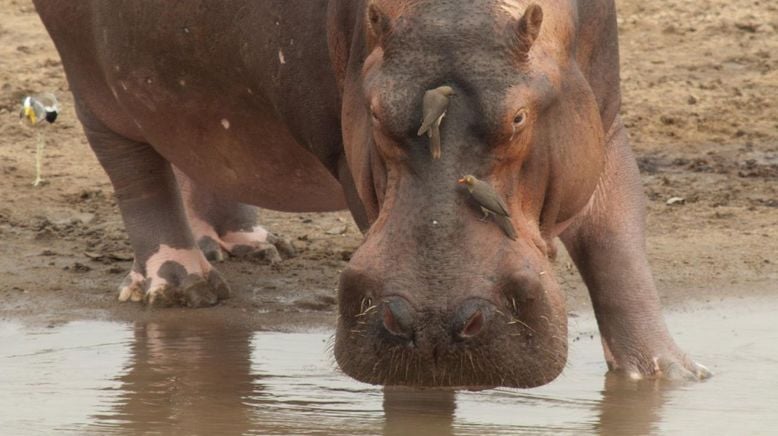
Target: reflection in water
[300, 390]
[205, 377]
[629, 407]
[190, 378]
[427, 412]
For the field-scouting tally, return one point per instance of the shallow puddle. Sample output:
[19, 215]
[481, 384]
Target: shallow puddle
[92, 377]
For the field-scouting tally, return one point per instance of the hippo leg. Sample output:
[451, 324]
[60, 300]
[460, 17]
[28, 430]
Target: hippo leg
[168, 269]
[607, 244]
[222, 225]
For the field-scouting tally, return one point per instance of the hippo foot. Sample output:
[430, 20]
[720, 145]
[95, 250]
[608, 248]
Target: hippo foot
[256, 243]
[671, 369]
[175, 277]
[674, 366]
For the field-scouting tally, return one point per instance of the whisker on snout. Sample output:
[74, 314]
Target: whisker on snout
[366, 311]
[512, 320]
[365, 304]
[520, 322]
[513, 305]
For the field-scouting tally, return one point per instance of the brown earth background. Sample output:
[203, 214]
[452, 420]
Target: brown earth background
[700, 86]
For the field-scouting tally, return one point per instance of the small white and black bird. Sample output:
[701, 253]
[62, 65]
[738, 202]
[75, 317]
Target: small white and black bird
[433, 107]
[39, 108]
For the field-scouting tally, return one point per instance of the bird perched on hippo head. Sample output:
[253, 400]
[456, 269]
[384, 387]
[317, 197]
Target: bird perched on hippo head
[434, 106]
[490, 202]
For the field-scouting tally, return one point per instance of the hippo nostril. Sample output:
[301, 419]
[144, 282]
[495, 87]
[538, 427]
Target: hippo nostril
[473, 326]
[398, 317]
[471, 318]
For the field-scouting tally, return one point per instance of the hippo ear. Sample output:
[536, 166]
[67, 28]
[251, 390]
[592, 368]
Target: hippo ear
[378, 24]
[527, 29]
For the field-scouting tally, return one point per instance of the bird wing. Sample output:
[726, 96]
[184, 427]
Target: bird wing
[48, 101]
[487, 197]
[507, 226]
[433, 106]
[38, 107]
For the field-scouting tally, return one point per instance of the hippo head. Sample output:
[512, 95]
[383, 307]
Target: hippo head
[436, 295]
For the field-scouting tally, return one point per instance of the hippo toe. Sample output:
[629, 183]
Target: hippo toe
[174, 278]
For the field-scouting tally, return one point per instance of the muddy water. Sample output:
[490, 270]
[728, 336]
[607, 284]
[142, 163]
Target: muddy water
[97, 377]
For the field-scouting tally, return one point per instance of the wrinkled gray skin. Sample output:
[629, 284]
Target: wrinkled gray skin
[310, 105]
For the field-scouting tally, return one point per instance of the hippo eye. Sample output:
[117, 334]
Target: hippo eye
[520, 118]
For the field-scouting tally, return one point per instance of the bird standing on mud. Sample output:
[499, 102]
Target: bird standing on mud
[434, 107]
[490, 202]
[35, 110]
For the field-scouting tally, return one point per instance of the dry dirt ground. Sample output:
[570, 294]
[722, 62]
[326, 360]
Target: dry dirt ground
[700, 85]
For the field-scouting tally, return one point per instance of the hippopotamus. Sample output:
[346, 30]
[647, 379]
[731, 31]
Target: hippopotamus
[199, 111]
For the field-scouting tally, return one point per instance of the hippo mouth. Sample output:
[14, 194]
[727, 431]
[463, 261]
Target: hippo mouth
[515, 341]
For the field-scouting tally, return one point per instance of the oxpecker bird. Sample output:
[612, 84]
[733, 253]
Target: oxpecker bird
[490, 202]
[434, 107]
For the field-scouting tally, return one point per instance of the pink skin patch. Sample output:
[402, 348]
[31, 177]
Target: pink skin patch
[192, 260]
[257, 237]
[201, 228]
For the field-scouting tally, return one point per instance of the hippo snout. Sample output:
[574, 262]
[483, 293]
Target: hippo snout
[399, 331]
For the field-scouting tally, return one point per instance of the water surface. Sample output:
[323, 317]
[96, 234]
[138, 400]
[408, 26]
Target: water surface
[98, 377]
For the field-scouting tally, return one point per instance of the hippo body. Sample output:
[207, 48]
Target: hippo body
[199, 109]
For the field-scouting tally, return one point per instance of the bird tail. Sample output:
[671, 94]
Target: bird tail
[435, 142]
[507, 226]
